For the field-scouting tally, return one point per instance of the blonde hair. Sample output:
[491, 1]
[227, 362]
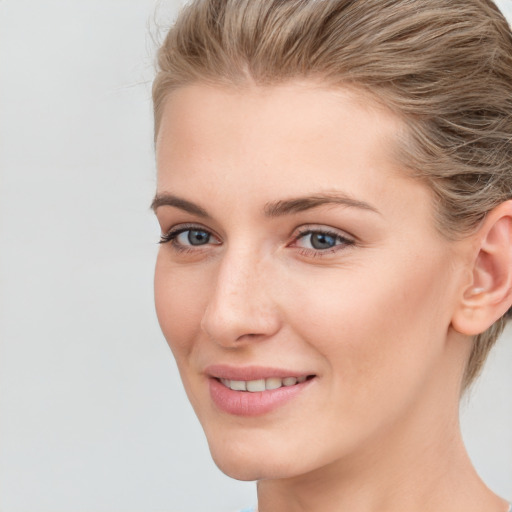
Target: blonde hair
[445, 67]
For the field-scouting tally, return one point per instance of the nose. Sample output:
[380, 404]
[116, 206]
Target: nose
[242, 306]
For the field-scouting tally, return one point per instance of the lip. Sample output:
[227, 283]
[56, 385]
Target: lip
[221, 371]
[245, 403]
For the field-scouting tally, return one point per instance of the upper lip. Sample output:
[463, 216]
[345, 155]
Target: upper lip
[221, 371]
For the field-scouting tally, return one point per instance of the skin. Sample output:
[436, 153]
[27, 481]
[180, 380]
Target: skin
[371, 317]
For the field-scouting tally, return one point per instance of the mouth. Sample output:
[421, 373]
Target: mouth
[260, 385]
[255, 391]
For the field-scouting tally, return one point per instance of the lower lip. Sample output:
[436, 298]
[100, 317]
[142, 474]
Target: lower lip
[245, 403]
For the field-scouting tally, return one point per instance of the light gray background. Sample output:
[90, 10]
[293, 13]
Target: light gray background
[93, 417]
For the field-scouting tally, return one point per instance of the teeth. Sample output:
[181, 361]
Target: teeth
[255, 386]
[238, 385]
[273, 383]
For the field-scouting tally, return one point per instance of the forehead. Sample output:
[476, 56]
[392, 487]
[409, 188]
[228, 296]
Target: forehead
[198, 107]
[267, 143]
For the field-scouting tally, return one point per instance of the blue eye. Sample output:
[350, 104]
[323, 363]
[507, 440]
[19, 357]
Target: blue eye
[183, 237]
[318, 240]
[193, 237]
[322, 240]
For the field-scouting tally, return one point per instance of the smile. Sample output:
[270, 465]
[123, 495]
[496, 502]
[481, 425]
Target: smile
[255, 391]
[259, 385]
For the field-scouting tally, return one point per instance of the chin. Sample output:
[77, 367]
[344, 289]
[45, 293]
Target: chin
[254, 468]
[238, 470]
[260, 459]
[239, 460]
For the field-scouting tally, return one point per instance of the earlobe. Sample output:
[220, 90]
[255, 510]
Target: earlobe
[489, 294]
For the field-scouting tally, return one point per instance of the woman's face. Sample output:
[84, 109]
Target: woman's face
[302, 287]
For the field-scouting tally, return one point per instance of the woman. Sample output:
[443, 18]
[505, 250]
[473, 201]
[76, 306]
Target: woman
[335, 198]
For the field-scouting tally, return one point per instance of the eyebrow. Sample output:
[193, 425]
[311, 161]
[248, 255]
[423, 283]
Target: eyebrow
[178, 202]
[272, 209]
[300, 204]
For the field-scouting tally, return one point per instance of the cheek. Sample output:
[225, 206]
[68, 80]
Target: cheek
[179, 306]
[375, 329]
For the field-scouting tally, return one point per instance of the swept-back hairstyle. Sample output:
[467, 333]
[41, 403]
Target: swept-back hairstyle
[444, 67]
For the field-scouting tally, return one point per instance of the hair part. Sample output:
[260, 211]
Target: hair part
[445, 68]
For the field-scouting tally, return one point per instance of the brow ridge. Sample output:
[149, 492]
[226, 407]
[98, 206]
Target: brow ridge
[178, 202]
[272, 209]
[300, 204]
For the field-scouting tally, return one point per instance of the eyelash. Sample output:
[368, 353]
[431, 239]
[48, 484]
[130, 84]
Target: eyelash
[304, 232]
[171, 236]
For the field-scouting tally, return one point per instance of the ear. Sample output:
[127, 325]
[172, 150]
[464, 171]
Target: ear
[489, 294]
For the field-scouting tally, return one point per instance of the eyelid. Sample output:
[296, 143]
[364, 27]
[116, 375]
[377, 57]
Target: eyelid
[318, 228]
[346, 240]
[170, 235]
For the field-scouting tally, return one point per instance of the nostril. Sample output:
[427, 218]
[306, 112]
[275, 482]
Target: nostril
[249, 318]
[249, 335]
